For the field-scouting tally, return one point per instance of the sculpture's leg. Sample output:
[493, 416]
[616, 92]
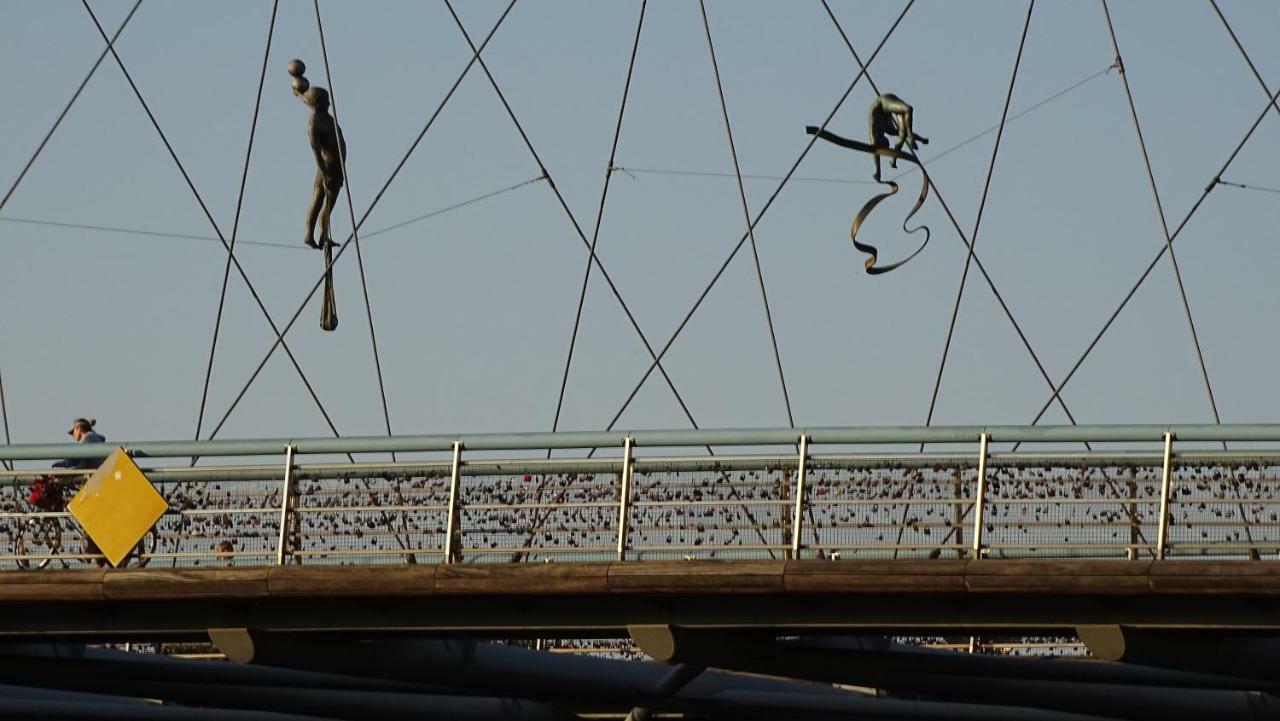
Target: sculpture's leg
[313, 213]
[326, 238]
[880, 142]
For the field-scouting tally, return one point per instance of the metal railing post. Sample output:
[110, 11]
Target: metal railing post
[1166, 474]
[286, 500]
[451, 525]
[624, 498]
[980, 498]
[798, 519]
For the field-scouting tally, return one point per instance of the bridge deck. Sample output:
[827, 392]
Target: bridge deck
[607, 597]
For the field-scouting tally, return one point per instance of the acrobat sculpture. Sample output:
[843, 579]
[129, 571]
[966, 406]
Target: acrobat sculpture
[330, 150]
[890, 115]
[329, 147]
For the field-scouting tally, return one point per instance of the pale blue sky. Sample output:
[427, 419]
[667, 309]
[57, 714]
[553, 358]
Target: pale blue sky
[474, 307]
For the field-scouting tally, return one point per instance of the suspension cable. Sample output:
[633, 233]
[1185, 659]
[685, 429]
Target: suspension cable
[977, 223]
[595, 233]
[376, 199]
[4, 413]
[759, 215]
[235, 225]
[746, 215]
[208, 215]
[1164, 224]
[355, 230]
[67, 108]
[1057, 389]
[266, 244]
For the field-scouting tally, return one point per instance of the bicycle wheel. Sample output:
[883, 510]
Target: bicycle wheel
[37, 542]
[146, 547]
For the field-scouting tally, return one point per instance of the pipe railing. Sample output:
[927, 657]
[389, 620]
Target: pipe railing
[1150, 501]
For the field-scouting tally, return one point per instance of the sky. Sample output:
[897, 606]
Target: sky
[474, 307]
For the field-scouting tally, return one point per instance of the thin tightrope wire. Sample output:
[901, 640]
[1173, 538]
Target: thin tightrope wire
[355, 231]
[595, 233]
[4, 412]
[1057, 389]
[855, 181]
[285, 246]
[1256, 76]
[208, 215]
[376, 199]
[67, 108]
[1248, 187]
[617, 294]
[759, 215]
[1164, 224]
[977, 223]
[235, 225]
[746, 214]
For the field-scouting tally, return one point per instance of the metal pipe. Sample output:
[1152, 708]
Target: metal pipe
[1162, 535]
[798, 518]
[624, 498]
[451, 525]
[657, 438]
[980, 496]
[286, 497]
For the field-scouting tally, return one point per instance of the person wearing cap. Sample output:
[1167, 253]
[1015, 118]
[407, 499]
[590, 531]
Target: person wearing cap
[82, 431]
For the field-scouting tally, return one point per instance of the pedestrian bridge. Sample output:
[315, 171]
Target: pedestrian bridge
[1084, 523]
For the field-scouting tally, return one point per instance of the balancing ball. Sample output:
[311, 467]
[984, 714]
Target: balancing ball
[297, 68]
[300, 85]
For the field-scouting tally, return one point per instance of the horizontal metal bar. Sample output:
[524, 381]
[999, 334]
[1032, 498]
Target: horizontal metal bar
[655, 438]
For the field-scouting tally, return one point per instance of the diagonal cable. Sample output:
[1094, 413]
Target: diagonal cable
[746, 215]
[1164, 224]
[205, 208]
[977, 223]
[4, 413]
[376, 199]
[613, 288]
[235, 225]
[733, 493]
[715, 278]
[67, 108]
[355, 231]
[595, 233]
[1057, 389]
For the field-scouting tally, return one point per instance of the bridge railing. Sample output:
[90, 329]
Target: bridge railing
[828, 493]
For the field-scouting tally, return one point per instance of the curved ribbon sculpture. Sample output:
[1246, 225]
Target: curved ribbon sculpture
[329, 309]
[884, 152]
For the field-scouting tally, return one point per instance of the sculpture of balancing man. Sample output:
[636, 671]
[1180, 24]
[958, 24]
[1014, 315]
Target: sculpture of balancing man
[330, 149]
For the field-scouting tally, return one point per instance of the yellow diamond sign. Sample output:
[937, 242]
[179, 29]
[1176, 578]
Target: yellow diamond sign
[117, 506]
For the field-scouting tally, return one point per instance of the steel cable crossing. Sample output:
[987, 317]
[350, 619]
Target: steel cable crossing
[235, 225]
[1213, 182]
[759, 215]
[977, 222]
[968, 259]
[355, 230]
[4, 409]
[592, 256]
[208, 215]
[595, 233]
[746, 214]
[977, 260]
[376, 199]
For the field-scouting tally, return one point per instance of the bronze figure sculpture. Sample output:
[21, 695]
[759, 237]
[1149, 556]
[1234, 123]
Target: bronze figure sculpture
[330, 150]
[889, 115]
